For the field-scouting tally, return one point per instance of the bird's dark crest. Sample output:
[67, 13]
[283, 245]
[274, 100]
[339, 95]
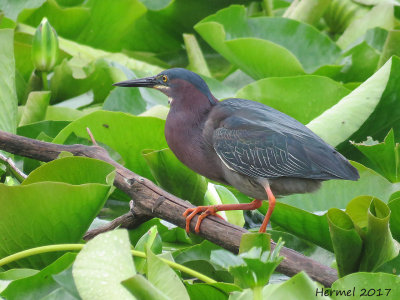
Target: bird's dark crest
[193, 78]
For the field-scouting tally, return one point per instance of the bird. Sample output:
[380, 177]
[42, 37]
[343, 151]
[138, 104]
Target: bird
[255, 148]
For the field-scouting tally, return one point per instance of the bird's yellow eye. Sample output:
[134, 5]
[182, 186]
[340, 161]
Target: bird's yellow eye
[164, 78]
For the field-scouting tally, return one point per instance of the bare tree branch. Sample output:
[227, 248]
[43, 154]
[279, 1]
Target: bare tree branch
[16, 172]
[130, 220]
[152, 201]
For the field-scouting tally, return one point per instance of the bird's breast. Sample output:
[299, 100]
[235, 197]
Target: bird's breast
[186, 141]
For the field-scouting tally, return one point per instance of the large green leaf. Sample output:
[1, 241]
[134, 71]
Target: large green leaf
[383, 156]
[84, 23]
[8, 96]
[255, 263]
[372, 285]
[77, 76]
[201, 291]
[40, 284]
[265, 46]
[361, 237]
[379, 16]
[41, 210]
[337, 193]
[391, 46]
[126, 134]
[175, 177]
[346, 241]
[379, 245]
[125, 100]
[127, 25]
[299, 286]
[364, 112]
[35, 108]
[14, 274]
[13, 8]
[297, 218]
[301, 97]
[133, 100]
[89, 68]
[197, 257]
[66, 20]
[163, 22]
[58, 113]
[359, 63]
[50, 128]
[394, 223]
[55, 171]
[218, 194]
[102, 264]
[311, 227]
[151, 240]
[143, 289]
[164, 278]
[345, 118]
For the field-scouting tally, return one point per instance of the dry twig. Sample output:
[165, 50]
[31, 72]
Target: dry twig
[14, 169]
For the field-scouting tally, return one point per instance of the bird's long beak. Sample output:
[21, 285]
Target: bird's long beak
[141, 82]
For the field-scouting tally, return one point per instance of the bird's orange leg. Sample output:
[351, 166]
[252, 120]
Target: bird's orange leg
[271, 206]
[212, 210]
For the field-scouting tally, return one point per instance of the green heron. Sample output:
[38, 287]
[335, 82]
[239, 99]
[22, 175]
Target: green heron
[260, 151]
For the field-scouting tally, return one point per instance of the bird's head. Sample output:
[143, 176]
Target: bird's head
[180, 85]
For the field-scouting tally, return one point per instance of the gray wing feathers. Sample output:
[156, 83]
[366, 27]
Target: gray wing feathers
[258, 156]
[258, 141]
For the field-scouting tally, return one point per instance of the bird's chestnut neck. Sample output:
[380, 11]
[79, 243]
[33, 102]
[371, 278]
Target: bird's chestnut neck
[185, 97]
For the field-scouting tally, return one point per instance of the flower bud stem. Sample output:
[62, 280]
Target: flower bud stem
[45, 82]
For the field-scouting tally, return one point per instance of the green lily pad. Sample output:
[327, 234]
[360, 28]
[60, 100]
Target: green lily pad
[126, 134]
[151, 240]
[394, 223]
[128, 26]
[35, 108]
[343, 121]
[371, 285]
[391, 46]
[8, 96]
[338, 193]
[50, 128]
[300, 286]
[54, 196]
[218, 194]
[301, 97]
[164, 278]
[264, 46]
[361, 237]
[143, 289]
[359, 63]
[379, 244]
[175, 177]
[12, 9]
[102, 264]
[58, 113]
[346, 241]
[311, 227]
[384, 156]
[198, 291]
[40, 284]
[381, 15]
[77, 76]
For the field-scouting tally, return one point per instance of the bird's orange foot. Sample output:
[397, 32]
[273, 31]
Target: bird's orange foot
[205, 210]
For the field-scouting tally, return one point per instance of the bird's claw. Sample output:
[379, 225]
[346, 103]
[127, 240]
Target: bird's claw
[205, 211]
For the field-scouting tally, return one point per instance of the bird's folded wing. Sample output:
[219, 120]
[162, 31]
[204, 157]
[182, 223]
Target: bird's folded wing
[257, 153]
[270, 154]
